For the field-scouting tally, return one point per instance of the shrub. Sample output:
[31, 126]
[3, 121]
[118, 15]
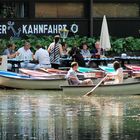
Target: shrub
[118, 45]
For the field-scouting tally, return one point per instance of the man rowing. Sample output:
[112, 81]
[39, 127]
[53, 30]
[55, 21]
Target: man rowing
[72, 76]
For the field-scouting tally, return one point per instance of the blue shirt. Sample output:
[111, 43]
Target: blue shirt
[85, 53]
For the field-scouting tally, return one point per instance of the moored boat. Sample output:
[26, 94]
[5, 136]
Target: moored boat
[136, 74]
[83, 72]
[20, 81]
[126, 73]
[132, 67]
[52, 70]
[131, 86]
[36, 73]
[91, 72]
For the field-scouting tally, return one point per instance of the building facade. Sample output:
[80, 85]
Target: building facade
[83, 17]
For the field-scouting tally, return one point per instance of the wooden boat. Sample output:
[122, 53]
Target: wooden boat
[20, 81]
[135, 70]
[82, 72]
[52, 70]
[127, 73]
[131, 86]
[36, 73]
[132, 67]
[91, 72]
[136, 74]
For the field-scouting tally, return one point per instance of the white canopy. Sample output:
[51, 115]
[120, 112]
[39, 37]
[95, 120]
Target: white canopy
[104, 36]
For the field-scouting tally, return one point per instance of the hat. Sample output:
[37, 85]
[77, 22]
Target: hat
[74, 64]
[57, 36]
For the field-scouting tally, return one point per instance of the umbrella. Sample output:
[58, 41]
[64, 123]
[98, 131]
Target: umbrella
[104, 36]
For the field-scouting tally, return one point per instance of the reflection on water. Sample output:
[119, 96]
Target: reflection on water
[49, 115]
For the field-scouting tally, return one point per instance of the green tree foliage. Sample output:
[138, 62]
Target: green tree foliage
[118, 45]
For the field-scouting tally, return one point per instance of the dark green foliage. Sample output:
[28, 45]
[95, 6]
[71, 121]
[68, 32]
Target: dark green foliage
[118, 45]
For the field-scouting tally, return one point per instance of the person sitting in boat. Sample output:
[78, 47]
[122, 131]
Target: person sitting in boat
[72, 76]
[42, 56]
[117, 76]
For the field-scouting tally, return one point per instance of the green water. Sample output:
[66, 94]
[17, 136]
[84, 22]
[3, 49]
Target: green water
[51, 115]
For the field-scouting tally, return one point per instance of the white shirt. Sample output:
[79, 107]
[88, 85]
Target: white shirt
[118, 76]
[42, 56]
[25, 54]
[72, 73]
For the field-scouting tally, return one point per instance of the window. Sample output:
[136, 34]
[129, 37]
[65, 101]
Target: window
[13, 10]
[59, 10]
[115, 9]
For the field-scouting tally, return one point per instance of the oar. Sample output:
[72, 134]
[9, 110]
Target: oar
[89, 93]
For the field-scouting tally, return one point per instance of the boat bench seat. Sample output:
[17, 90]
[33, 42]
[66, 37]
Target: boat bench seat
[70, 81]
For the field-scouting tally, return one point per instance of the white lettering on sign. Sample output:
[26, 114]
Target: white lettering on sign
[30, 31]
[24, 31]
[49, 29]
[3, 29]
[60, 27]
[35, 29]
[42, 28]
[45, 28]
[74, 28]
[10, 28]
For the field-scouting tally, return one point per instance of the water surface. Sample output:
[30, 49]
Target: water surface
[51, 115]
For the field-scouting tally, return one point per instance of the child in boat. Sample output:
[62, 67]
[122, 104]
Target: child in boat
[72, 76]
[117, 76]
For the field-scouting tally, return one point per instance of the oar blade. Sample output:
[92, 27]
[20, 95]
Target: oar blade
[88, 93]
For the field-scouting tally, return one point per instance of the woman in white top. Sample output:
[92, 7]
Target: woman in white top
[117, 76]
